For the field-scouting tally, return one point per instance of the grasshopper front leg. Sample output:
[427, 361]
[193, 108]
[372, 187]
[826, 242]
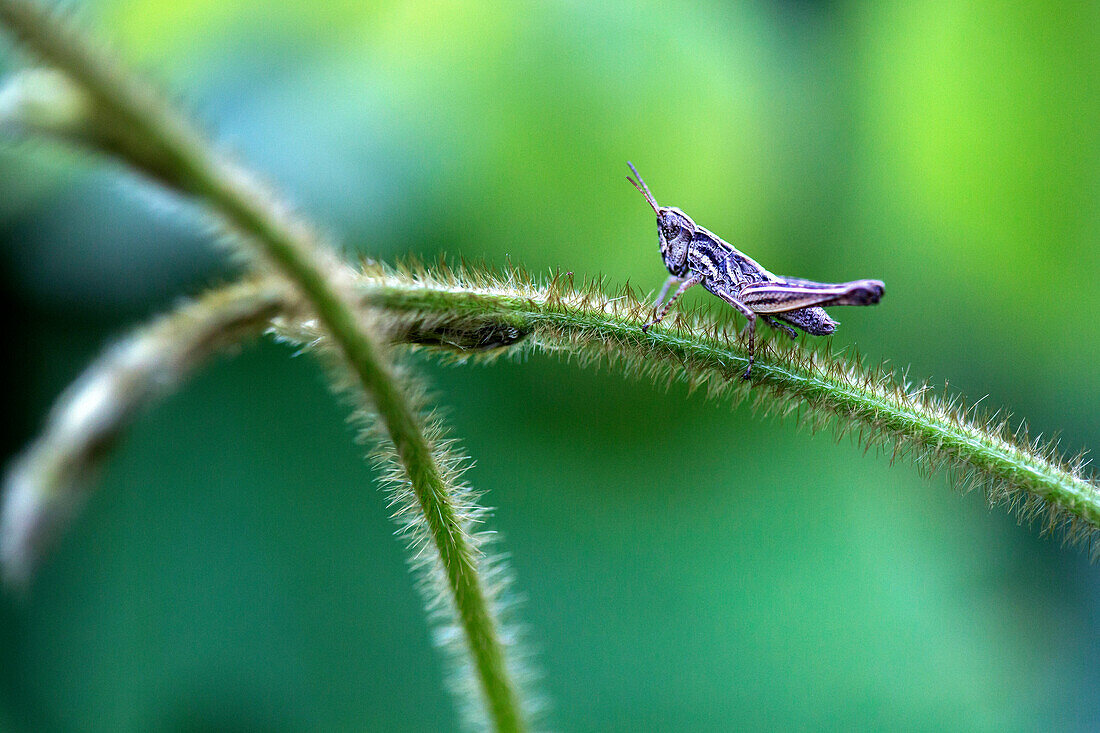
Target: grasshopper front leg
[690, 282]
[664, 290]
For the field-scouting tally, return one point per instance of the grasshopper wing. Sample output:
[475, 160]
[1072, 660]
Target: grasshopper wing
[788, 294]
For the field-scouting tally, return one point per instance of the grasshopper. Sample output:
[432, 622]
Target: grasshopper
[694, 255]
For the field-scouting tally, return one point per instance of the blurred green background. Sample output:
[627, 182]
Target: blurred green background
[684, 566]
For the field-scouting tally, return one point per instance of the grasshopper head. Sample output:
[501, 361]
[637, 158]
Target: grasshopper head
[672, 224]
[674, 231]
[674, 228]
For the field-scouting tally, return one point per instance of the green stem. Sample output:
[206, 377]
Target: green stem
[47, 483]
[162, 143]
[476, 314]
[588, 324]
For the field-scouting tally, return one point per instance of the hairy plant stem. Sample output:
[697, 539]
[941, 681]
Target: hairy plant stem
[46, 485]
[151, 136]
[476, 314]
[588, 324]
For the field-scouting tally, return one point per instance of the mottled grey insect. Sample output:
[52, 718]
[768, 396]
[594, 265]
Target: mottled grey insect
[694, 255]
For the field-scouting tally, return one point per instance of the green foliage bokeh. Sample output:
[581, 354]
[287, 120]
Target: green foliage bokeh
[684, 565]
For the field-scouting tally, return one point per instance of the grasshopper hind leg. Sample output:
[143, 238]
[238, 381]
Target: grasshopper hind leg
[780, 326]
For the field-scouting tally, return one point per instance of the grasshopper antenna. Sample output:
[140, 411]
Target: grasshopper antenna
[642, 189]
